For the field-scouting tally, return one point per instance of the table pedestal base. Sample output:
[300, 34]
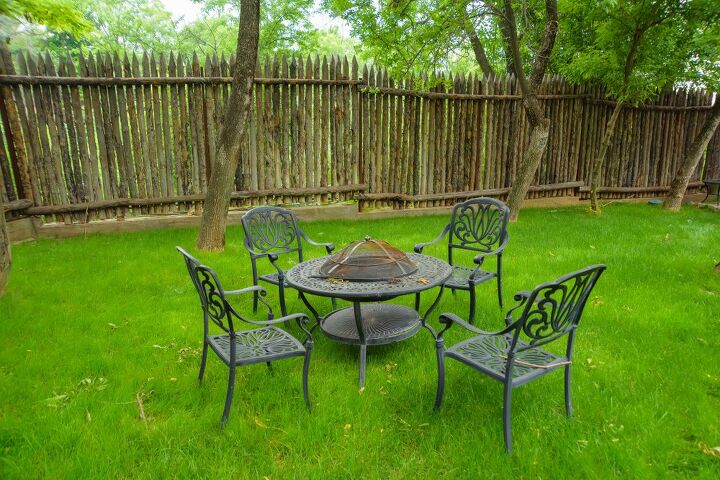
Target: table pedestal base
[378, 324]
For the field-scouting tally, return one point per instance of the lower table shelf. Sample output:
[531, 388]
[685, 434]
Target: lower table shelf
[382, 324]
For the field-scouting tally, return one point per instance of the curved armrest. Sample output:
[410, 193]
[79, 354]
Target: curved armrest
[254, 288]
[274, 321]
[270, 256]
[420, 246]
[480, 258]
[523, 295]
[301, 319]
[329, 247]
[449, 319]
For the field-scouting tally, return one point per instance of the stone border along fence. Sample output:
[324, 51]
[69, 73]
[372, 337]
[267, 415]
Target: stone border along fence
[111, 137]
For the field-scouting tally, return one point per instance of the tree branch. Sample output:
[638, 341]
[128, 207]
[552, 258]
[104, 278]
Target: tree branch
[478, 49]
[543, 54]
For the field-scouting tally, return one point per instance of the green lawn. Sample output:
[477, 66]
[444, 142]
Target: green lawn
[87, 324]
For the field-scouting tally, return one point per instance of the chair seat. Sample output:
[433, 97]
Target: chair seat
[258, 345]
[460, 277]
[489, 355]
[272, 278]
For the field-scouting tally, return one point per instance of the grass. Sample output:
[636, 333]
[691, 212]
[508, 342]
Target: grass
[89, 324]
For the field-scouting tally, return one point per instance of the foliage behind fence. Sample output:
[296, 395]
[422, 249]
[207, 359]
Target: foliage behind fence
[114, 137]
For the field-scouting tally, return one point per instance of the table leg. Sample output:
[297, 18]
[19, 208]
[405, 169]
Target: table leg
[363, 344]
[430, 310]
[363, 356]
[312, 311]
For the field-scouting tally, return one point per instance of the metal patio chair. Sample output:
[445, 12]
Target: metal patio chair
[479, 225]
[513, 355]
[243, 347]
[273, 231]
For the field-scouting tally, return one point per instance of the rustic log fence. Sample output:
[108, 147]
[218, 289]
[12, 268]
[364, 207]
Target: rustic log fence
[108, 137]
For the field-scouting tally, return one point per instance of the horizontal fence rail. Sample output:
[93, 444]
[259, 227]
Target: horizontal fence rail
[110, 137]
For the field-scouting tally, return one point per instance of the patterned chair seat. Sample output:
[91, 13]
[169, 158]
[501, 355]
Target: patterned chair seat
[489, 355]
[257, 345]
[461, 276]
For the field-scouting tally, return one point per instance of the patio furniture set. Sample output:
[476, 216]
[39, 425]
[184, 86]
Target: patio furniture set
[369, 272]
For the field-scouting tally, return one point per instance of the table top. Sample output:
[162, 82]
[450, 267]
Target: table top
[712, 180]
[431, 272]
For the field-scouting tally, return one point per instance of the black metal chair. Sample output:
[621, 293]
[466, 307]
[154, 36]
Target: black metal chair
[273, 231]
[243, 347]
[479, 225]
[513, 355]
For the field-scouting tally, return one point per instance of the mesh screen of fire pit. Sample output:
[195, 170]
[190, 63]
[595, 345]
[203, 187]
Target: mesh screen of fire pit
[368, 260]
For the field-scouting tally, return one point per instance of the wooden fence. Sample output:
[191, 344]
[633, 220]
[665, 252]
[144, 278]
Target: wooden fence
[110, 137]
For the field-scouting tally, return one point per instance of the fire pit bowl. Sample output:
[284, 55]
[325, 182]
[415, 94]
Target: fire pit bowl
[368, 260]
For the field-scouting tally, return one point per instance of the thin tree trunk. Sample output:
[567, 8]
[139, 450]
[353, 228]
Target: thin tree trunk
[479, 51]
[689, 163]
[506, 30]
[232, 131]
[527, 168]
[596, 167]
[539, 125]
[5, 257]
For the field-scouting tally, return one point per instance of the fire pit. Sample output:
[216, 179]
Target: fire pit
[370, 271]
[367, 261]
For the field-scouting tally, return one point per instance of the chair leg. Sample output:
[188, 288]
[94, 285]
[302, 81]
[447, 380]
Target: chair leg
[440, 349]
[471, 316]
[255, 301]
[270, 369]
[334, 303]
[283, 309]
[202, 361]
[568, 391]
[306, 369]
[507, 398]
[499, 281]
[228, 397]
[417, 302]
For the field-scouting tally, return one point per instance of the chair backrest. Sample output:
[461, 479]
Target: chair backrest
[553, 309]
[478, 224]
[271, 229]
[211, 293]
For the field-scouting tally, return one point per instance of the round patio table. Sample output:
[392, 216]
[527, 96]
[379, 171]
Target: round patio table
[368, 322]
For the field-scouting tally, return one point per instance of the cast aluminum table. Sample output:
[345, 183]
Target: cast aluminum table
[367, 322]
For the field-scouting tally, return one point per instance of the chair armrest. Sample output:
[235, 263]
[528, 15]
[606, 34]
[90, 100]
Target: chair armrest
[329, 247]
[420, 246]
[274, 321]
[525, 294]
[254, 288]
[270, 256]
[449, 318]
[301, 319]
[521, 297]
[481, 257]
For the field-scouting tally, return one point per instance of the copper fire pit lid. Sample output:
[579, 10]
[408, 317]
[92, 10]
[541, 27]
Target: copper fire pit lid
[368, 260]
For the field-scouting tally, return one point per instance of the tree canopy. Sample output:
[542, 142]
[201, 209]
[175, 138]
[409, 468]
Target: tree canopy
[636, 48]
[147, 25]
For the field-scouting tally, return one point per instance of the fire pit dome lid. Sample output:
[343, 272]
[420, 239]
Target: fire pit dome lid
[368, 260]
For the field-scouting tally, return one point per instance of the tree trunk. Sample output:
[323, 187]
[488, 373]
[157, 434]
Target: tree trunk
[5, 257]
[506, 32]
[539, 125]
[689, 163]
[526, 172]
[479, 51]
[596, 168]
[232, 131]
